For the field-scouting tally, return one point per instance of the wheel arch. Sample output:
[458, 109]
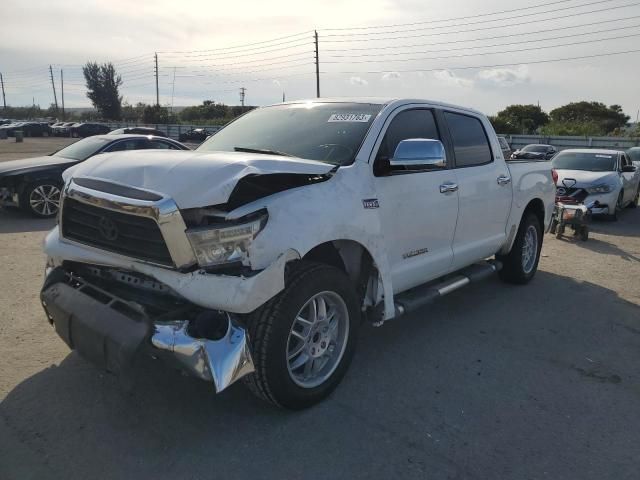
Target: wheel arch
[535, 206]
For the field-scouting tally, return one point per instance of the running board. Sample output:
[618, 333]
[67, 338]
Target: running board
[418, 297]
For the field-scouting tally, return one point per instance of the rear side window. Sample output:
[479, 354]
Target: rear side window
[470, 142]
[160, 145]
[134, 144]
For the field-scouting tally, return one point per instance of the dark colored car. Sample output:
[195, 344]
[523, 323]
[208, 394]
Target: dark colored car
[506, 149]
[63, 130]
[634, 155]
[139, 131]
[196, 135]
[34, 184]
[88, 129]
[535, 152]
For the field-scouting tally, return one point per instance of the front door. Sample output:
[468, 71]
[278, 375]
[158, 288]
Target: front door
[418, 221]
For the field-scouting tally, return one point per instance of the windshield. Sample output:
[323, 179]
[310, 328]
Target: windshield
[634, 153]
[535, 148]
[328, 132]
[592, 162]
[82, 149]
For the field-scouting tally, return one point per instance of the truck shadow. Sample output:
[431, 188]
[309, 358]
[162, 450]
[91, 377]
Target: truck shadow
[493, 366]
[13, 220]
[607, 248]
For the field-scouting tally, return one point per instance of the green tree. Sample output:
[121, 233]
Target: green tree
[157, 114]
[607, 119]
[522, 119]
[500, 125]
[103, 89]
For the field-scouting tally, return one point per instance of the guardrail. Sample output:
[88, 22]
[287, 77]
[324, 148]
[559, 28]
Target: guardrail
[561, 143]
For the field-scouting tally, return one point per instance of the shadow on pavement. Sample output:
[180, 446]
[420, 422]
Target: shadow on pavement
[493, 381]
[13, 220]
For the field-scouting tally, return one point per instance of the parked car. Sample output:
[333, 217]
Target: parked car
[195, 135]
[88, 129]
[34, 184]
[63, 130]
[12, 127]
[506, 149]
[535, 152]
[634, 155]
[54, 126]
[139, 130]
[606, 176]
[258, 254]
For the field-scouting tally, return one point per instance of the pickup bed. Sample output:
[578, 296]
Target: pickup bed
[259, 254]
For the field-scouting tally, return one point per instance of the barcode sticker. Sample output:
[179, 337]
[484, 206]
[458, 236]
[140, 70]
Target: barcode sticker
[350, 117]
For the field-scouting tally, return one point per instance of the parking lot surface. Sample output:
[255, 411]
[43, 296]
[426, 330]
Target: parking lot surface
[492, 382]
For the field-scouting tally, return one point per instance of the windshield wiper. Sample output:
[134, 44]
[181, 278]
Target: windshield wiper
[262, 151]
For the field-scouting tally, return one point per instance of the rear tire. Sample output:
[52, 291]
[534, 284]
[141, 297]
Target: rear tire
[521, 263]
[275, 331]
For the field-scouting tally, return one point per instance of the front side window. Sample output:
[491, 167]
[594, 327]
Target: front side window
[328, 132]
[133, 144]
[470, 143]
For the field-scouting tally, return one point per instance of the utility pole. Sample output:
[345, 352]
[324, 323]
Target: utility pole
[173, 87]
[55, 98]
[157, 90]
[62, 91]
[242, 94]
[4, 100]
[283, 98]
[315, 36]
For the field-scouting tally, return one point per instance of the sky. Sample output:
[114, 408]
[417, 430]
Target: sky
[484, 55]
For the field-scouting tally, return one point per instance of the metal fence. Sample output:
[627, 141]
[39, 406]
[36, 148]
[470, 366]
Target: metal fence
[561, 143]
[172, 131]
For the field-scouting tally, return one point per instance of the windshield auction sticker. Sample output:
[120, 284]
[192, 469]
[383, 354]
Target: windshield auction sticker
[349, 117]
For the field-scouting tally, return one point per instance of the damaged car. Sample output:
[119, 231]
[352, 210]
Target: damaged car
[258, 256]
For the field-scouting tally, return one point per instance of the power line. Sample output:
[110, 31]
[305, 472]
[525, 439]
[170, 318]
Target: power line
[527, 22]
[447, 42]
[246, 44]
[473, 23]
[448, 19]
[477, 67]
[235, 54]
[489, 53]
[252, 62]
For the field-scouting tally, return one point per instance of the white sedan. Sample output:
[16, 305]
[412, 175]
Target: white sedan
[607, 176]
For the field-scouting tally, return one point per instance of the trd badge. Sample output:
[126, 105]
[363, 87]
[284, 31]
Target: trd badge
[371, 203]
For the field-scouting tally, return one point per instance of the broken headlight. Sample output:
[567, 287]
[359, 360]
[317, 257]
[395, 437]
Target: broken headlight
[601, 188]
[220, 244]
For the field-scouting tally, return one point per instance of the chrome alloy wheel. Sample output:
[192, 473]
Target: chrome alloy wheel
[45, 200]
[529, 249]
[317, 339]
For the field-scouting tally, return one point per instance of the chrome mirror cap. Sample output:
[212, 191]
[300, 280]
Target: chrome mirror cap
[414, 152]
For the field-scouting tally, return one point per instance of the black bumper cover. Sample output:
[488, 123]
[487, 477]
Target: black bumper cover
[88, 323]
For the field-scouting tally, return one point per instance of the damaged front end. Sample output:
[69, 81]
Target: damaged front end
[109, 316]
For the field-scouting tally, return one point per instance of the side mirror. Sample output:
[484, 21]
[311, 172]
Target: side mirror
[628, 168]
[422, 152]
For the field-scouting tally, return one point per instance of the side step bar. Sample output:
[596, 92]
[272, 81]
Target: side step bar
[418, 297]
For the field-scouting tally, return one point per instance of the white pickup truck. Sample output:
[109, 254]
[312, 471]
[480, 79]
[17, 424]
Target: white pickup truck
[259, 254]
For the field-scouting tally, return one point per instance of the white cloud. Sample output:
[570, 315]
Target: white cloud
[358, 81]
[505, 77]
[448, 77]
[390, 76]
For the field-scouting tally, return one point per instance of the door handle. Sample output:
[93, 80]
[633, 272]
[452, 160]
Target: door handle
[504, 180]
[448, 187]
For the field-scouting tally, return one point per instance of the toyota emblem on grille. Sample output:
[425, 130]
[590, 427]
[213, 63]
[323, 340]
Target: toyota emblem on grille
[108, 229]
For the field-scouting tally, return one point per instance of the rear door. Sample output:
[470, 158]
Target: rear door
[628, 179]
[418, 218]
[484, 193]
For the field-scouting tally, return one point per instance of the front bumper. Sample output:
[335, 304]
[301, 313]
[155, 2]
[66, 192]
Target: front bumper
[110, 331]
[607, 203]
[229, 293]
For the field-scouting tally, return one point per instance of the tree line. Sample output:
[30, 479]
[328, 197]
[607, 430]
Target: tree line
[573, 119]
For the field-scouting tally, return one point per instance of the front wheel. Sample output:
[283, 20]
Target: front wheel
[41, 199]
[302, 341]
[521, 263]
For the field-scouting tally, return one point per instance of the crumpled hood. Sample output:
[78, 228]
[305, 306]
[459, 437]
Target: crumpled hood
[585, 178]
[192, 179]
[31, 163]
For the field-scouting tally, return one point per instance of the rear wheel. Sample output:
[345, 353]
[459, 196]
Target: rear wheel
[41, 198]
[521, 263]
[302, 341]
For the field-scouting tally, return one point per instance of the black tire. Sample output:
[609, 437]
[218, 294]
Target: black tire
[513, 270]
[553, 228]
[29, 192]
[584, 234]
[269, 328]
[634, 202]
[616, 212]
